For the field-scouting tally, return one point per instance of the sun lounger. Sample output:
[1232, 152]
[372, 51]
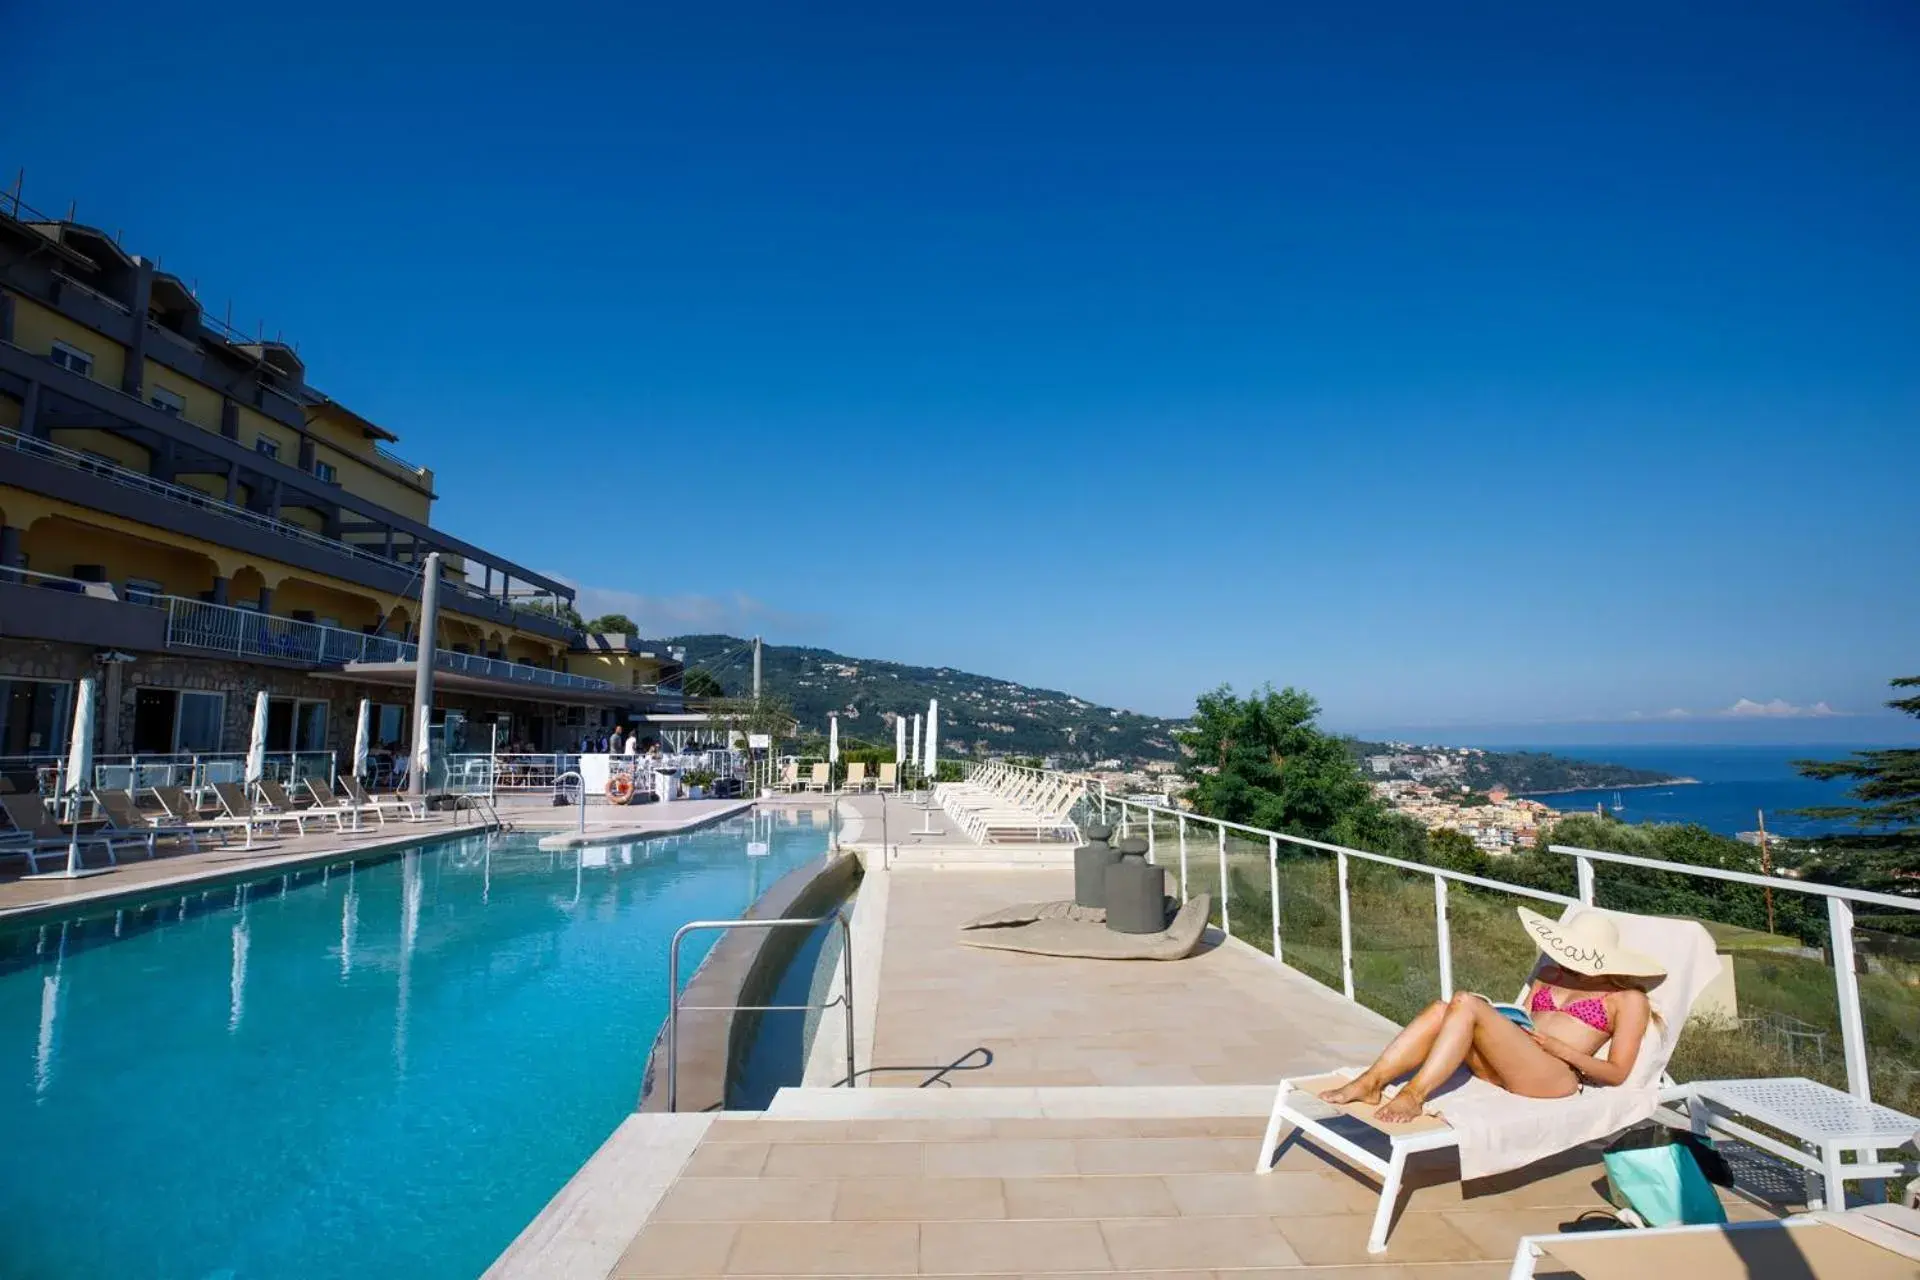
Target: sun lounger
[889, 779]
[790, 776]
[124, 816]
[406, 808]
[856, 777]
[234, 803]
[821, 778]
[1529, 1129]
[326, 801]
[1874, 1242]
[279, 802]
[36, 835]
[182, 811]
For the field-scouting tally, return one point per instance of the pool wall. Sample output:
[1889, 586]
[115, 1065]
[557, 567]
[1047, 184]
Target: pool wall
[743, 968]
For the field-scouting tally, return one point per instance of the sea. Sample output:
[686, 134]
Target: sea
[1735, 785]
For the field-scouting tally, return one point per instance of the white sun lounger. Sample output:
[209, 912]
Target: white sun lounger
[1874, 1242]
[1682, 945]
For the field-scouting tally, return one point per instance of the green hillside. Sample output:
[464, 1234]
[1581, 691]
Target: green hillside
[979, 715]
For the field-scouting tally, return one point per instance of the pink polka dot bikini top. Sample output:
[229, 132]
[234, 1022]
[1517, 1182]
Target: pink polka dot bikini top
[1591, 1010]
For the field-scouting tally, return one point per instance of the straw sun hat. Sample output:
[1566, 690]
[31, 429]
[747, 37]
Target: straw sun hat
[1588, 943]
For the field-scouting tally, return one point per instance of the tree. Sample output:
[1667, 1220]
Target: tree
[1455, 851]
[1883, 853]
[702, 683]
[1262, 761]
[614, 624]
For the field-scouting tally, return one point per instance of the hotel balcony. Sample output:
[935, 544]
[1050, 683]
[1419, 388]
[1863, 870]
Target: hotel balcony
[43, 467]
[43, 606]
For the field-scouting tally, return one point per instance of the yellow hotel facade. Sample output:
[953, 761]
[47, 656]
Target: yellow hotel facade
[185, 514]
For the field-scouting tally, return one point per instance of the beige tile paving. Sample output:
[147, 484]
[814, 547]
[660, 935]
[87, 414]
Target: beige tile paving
[1145, 1198]
[283, 850]
[922, 1199]
[1137, 1243]
[1012, 1246]
[1226, 1016]
[692, 1199]
[1077, 1197]
[825, 1249]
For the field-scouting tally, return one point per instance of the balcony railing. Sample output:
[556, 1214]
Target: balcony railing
[183, 495]
[198, 624]
[190, 497]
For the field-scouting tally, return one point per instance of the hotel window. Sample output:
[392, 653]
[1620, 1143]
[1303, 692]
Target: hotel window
[265, 447]
[168, 402]
[177, 720]
[72, 359]
[310, 726]
[33, 716]
[326, 471]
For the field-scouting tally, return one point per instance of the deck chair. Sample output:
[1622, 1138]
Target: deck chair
[234, 804]
[326, 802]
[181, 811]
[821, 779]
[285, 806]
[1533, 1127]
[856, 779]
[37, 835]
[790, 776]
[124, 816]
[408, 811]
[889, 779]
[1873, 1242]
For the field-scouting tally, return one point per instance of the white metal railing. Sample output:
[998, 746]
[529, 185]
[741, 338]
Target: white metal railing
[1196, 838]
[534, 772]
[198, 624]
[191, 769]
[182, 494]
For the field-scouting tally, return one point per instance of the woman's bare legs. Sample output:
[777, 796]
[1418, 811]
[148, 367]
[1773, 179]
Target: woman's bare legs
[1471, 1026]
[1407, 1051]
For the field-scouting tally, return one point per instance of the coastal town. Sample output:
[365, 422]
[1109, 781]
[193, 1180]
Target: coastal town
[1441, 788]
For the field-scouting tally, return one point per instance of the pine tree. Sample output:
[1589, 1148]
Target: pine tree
[1883, 853]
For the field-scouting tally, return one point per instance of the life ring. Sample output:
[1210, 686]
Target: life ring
[620, 788]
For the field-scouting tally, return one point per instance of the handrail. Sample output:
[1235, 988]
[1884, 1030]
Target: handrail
[1745, 877]
[201, 624]
[673, 989]
[579, 783]
[1840, 900]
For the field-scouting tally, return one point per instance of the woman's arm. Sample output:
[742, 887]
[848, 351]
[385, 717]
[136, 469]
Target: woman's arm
[1630, 1013]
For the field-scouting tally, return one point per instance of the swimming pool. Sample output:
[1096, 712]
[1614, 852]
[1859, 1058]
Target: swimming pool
[369, 1070]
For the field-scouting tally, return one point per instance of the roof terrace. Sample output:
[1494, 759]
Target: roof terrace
[1040, 1116]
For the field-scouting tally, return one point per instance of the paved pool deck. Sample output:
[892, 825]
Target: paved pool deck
[177, 867]
[1095, 1118]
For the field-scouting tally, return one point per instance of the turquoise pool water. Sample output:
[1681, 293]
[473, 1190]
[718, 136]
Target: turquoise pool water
[383, 1069]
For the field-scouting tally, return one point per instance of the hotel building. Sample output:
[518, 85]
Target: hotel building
[185, 514]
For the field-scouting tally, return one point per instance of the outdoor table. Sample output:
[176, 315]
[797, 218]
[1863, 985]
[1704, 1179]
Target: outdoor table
[1825, 1122]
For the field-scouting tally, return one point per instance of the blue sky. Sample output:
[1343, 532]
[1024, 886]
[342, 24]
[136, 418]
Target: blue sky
[1500, 367]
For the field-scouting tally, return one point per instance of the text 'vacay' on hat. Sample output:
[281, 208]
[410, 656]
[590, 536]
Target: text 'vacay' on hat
[1588, 943]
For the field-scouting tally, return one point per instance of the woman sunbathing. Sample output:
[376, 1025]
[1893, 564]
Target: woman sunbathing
[1591, 991]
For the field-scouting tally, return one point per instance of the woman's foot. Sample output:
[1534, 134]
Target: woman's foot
[1360, 1089]
[1402, 1107]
